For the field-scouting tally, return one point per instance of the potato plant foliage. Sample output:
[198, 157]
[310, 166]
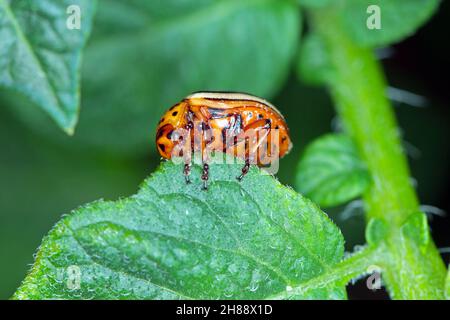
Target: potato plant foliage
[256, 239]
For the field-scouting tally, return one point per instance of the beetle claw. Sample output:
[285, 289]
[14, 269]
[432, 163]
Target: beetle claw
[187, 172]
[205, 176]
[244, 170]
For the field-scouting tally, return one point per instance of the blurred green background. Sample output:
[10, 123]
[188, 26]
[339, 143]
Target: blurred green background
[44, 173]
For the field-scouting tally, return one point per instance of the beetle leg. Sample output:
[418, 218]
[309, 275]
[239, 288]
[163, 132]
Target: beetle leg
[205, 176]
[188, 150]
[252, 152]
[205, 154]
[246, 166]
[187, 172]
[190, 128]
[245, 169]
[241, 134]
[234, 130]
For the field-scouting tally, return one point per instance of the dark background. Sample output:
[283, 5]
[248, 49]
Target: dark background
[41, 179]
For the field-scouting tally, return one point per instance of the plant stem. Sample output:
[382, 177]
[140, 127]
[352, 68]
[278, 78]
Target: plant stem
[414, 270]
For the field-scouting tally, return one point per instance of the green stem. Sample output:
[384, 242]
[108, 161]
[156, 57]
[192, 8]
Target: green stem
[414, 269]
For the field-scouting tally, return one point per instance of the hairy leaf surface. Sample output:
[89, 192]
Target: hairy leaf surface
[249, 240]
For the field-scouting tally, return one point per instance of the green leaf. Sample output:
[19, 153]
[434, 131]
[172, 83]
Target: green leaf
[314, 3]
[399, 19]
[313, 65]
[330, 171]
[376, 231]
[40, 55]
[145, 56]
[249, 240]
[416, 228]
[447, 286]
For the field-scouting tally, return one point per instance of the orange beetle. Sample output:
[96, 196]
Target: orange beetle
[234, 123]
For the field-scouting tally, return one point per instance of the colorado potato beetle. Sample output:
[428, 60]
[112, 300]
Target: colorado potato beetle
[238, 124]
